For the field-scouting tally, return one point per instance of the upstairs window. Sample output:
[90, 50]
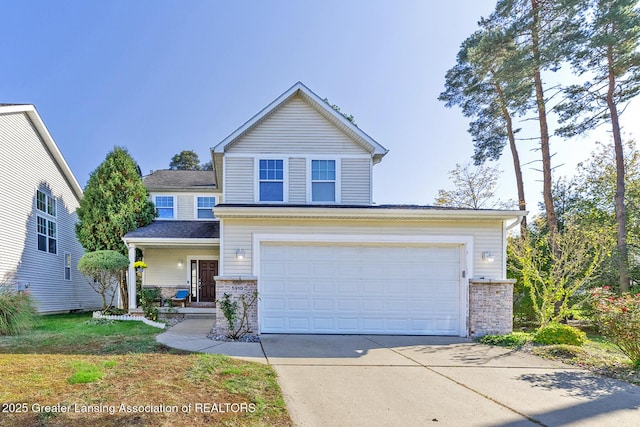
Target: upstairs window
[271, 180]
[204, 207]
[45, 203]
[323, 180]
[46, 226]
[164, 205]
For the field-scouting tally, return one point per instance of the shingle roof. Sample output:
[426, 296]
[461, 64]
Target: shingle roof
[178, 230]
[171, 179]
[338, 206]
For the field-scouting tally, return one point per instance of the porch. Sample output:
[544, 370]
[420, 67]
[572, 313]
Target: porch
[180, 255]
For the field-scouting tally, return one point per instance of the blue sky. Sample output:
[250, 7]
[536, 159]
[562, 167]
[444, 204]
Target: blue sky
[161, 76]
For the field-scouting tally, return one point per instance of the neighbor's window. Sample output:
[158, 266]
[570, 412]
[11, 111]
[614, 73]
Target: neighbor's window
[67, 266]
[45, 203]
[323, 180]
[164, 205]
[47, 235]
[46, 223]
[271, 180]
[205, 207]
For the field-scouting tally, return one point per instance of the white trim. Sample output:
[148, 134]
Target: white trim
[221, 248]
[363, 212]
[304, 155]
[466, 262]
[195, 206]
[163, 241]
[337, 181]
[285, 178]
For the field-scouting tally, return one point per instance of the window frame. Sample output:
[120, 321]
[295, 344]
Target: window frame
[174, 206]
[337, 181]
[46, 210]
[67, 266]
[196, 208]
[284, 180]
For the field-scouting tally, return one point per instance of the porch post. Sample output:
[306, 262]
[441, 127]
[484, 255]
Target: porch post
[132, 277]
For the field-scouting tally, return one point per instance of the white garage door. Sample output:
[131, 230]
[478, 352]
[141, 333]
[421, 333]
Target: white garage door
[360, 288]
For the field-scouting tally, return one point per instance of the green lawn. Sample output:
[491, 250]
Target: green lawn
[116, 374]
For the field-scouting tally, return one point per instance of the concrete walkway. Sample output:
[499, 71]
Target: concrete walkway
[363, 380]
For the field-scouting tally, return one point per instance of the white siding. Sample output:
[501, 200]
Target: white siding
[239, 180]
[185, 207]
[162, 265]
[297, 180]
[487, 236]
[356, 181]
[296, 128]
[25, 166]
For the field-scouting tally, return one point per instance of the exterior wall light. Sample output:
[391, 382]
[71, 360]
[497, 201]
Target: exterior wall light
[239, 254]
[180, 263]
[488, 256]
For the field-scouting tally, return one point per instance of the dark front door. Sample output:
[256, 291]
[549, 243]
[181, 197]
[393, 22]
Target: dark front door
[207, 271]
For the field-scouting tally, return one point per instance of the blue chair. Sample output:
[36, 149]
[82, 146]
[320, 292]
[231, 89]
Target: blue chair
[181, 297]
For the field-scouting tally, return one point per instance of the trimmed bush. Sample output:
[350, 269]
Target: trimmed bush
[102, 270]
[17, 311]
[513, 340]
[557, 333]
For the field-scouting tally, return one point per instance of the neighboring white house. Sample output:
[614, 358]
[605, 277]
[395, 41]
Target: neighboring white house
[294, 220]
[39, 196]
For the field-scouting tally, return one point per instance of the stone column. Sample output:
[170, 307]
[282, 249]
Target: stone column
[490, 307]
[236, 286]
[131, 280]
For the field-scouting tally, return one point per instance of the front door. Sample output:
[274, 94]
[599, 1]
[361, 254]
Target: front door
[207, 271]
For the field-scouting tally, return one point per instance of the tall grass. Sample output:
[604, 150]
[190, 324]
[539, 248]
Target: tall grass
[17, 311]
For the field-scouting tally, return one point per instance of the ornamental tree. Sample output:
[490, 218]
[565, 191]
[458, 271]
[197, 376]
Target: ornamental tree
[102, 270]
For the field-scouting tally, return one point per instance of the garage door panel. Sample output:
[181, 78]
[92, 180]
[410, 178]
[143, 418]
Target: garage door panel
[360, 288]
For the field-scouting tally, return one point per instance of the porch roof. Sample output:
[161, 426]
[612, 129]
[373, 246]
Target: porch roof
[177, 230]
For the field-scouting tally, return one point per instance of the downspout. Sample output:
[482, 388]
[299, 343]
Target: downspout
[515, 223]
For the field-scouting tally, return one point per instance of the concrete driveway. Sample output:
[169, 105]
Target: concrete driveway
[364, 380]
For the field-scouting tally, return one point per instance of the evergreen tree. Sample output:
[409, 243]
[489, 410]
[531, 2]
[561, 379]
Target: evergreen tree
[609, 55]
[115, 202]
[489, 90]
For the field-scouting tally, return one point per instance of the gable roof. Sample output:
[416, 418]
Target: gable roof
[179, 179]
[32, 114]
[299, 89]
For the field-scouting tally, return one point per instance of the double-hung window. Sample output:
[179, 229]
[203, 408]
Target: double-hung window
[323, 180]
[46, 223]
[271, 180]
[164, 205]
[204, 207]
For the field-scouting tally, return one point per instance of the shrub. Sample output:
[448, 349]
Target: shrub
[102, 270]
[618, 319]
[17, 311]
[148, 297]
[513, 340]
[238, 322]
[557, 333]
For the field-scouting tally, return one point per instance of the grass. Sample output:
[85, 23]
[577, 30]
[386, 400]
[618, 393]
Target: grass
[597, 354]
[92, 368]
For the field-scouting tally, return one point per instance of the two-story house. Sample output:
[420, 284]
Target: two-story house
[294, 221]
[39, 195]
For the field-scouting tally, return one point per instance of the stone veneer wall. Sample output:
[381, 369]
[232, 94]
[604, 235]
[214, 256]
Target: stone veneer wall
[236, 286]
[490, 307]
